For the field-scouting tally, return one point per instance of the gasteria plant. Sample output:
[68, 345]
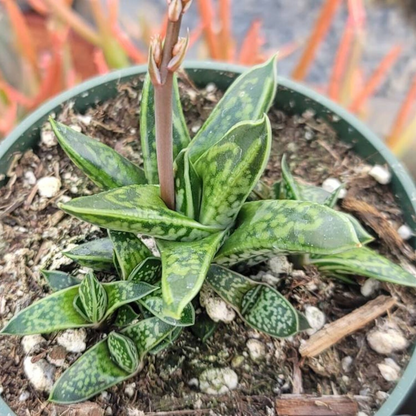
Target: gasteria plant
[222, 219]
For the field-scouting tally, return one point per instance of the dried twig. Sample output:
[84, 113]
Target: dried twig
[301, 405]
[345, 326]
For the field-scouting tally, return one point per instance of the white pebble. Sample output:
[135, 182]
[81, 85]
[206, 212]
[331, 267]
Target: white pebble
[332, 184]
[387, 339]
[39, 373]
[29, 342]
[1, 389]
[382, 396]
[30, 178]
[405, 232]
[256, 349]
[362, 414]
[193, 382]
[380, 174]
[109, 411]
[279, 265]
[24, 396]
[370, 287]
[270, 279]
[84, 119]
[346, 363]
[389, 370]
[316, 319]
[211, 87]
[73, 340]
[195, 128]
[130, 389]
[47, 138]
[49, 186]
[218, 381]
[216, 308]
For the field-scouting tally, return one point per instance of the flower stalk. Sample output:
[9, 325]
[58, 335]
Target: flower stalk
[164, 59]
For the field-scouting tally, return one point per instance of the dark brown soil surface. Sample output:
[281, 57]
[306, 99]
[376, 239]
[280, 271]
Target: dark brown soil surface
[34, 231]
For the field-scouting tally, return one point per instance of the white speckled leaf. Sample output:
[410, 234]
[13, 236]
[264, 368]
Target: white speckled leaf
[230, 170]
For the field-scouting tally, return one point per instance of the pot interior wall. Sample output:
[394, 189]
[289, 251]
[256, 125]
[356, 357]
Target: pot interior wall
[291, 98]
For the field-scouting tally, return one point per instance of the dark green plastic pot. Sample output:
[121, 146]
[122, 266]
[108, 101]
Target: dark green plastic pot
[292, 98]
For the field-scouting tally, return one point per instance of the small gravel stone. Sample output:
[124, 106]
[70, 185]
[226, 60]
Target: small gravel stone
[73, 340]
[109, 411]
[47, 137]
[218, 381]
[332, 184]
[130, 389]
[30, 178]
[382, 396]
[256, 349]
[216, 308]
[386, 339]
[389, 370]
[270, 279]
[32, 342]
[48, 186]
[316, 319]
[346, 363]
[362, 414]
[39, 373]
[193, 382]
[405, 232]
[237, 361]
[279, 265]
[24, 396]
[370, 287]
[380, 174]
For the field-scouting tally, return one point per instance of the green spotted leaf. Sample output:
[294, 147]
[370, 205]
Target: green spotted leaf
[188, 186]
[123, 352]
[289, 188]
[57, 311]
[129, 251]
[93, 298]
[180, 132]
[261, 306]
[125, 316]
[332, 199]
[295, 227]
[149, 270]
[59, 280]
[204, 327]
[364, 262]
[137, 209]
[184, 267]
[103, 165]
[92, 373]
[362, 234]
[230, 170]
[167, 342]
[154, 303]
[52, 313]
[248, 98]
[95, 254]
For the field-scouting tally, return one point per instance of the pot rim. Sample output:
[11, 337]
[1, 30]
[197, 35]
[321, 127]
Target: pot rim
[408, 379]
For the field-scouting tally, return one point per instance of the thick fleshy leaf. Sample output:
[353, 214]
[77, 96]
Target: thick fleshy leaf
[295, 227]
[180, 132]
[362, 234]
[59, 280]
[92, 373]
[154, 303]
[188, 186]
[129, 251]
[123, 352]
[95, 254]
[125, 316]
[204, 326]
[137, 209]
[57, 312]
[93, 298]
[365, 262]
[231, 169]
[312, 193]
[332, 200]
[184, 267]
[261, 306]
[248, 98]
[103, 165]
[167, 342]
[288, 187]
[149, 270]
[52, 313]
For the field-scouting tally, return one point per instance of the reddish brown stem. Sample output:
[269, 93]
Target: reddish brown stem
[163, 118]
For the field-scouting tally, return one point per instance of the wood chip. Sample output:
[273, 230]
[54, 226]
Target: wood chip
[348, 324]
[306, 405]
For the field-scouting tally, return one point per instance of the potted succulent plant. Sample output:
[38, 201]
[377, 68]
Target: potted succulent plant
[212, 218]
